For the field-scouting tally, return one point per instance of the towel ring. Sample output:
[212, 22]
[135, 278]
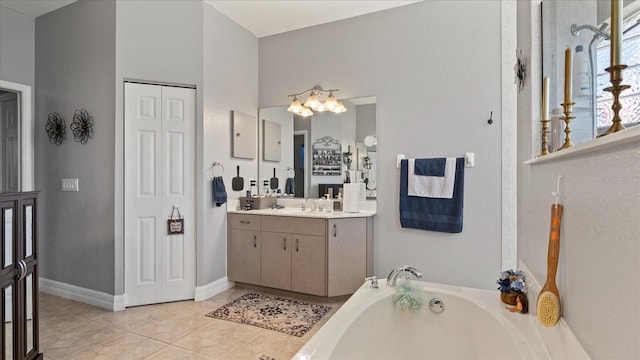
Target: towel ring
[213, 167]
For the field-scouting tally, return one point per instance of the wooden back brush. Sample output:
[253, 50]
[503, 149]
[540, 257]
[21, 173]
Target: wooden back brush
[548, 308]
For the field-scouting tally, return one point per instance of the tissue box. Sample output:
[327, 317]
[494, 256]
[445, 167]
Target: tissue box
[257, 203]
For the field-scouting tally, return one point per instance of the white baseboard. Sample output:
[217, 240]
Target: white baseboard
[77, 293]
[213, 288]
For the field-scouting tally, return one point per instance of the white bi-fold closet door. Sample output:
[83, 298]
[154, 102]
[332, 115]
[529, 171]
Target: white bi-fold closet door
[159, 167]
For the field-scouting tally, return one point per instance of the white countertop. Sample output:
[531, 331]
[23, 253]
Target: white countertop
[293, 207]
[296, 212]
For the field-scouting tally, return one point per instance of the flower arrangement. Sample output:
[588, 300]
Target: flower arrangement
[512, 280]
[511, 283]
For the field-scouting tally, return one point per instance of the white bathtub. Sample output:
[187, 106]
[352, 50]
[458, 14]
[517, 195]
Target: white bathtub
[473, 325]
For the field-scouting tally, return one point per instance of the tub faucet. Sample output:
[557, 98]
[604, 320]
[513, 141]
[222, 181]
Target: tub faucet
[406, 270]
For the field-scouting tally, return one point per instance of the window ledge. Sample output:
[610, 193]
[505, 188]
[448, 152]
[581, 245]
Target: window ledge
[619, 138]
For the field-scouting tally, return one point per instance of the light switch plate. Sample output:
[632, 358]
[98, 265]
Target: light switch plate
[70, 185]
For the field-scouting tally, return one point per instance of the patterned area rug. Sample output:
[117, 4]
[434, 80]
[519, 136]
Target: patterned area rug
[284, 315]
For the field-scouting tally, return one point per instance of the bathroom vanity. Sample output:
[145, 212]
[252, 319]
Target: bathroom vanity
[324, 254]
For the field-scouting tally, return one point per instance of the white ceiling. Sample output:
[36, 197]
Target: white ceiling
[267, 17]
[260, 17]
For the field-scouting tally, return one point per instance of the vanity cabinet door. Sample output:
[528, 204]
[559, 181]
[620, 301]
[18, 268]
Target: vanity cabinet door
[308, 264]
[243, 256]
[276, 260]
[347, 262]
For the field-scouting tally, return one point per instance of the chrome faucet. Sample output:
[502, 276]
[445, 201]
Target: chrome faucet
[406, 270]
[312, 204]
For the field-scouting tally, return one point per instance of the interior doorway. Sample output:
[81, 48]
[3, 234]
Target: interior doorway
[16, 138]
[299, 152]
[10, 141]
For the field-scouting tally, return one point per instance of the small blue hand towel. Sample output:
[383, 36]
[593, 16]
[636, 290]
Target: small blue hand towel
[219, 191]
[435, 214]
[290, 186]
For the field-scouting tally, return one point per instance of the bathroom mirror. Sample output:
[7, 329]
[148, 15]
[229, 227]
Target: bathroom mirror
[298, 134]
[584, 25]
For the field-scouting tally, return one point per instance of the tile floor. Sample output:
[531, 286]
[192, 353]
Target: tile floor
[178, 330]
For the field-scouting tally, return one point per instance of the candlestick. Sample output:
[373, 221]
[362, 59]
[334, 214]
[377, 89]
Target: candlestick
[567, 130]
[615, 89]
[616, 33]
[568, 84]
[545, 117]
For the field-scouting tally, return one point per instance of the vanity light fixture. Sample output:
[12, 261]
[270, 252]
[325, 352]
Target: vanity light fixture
[314, 103]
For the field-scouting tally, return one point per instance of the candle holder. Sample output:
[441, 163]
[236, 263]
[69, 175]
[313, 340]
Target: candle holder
[545, 141]
[615, 90]
[567, 129]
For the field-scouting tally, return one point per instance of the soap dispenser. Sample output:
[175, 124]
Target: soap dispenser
[337, 203]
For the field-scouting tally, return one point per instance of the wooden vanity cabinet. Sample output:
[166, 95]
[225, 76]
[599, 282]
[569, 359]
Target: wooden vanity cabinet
[304, 269]
[324, 257]
[308, 263]
[347, 255]
[244, 248]
[276, 260]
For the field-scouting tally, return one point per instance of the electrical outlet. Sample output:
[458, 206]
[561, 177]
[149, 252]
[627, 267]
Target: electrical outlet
[70, 185]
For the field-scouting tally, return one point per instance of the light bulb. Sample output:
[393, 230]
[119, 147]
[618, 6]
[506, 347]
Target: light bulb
[313, 101]
[295, 106]
[331, 102]
[340, 108]
[305, 111]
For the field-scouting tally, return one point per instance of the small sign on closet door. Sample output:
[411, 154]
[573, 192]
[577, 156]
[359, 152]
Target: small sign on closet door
[175, 225]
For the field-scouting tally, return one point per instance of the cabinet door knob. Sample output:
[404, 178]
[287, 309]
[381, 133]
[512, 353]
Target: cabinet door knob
[284, 244]
[245, 222]
[255, 241]
[296, 245]
[335, 230]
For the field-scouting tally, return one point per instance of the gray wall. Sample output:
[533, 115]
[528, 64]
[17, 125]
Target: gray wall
[17, 47]
[85, 51]
[156, 41]
[230, 83]
[599, 243]
[422, 61]
[75, 69]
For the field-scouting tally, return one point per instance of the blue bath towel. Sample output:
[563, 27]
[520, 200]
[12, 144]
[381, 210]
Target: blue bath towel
[435, 214]
[219, 191]
[290, 186]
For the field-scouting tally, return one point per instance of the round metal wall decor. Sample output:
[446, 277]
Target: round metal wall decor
[82, 126]
[55, 129]
[520, 70]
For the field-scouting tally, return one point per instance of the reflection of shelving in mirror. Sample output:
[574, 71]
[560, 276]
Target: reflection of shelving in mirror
[327, 157]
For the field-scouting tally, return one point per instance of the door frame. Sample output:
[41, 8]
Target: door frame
[26, 130]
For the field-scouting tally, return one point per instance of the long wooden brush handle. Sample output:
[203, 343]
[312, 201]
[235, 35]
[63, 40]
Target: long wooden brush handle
[554, 245]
